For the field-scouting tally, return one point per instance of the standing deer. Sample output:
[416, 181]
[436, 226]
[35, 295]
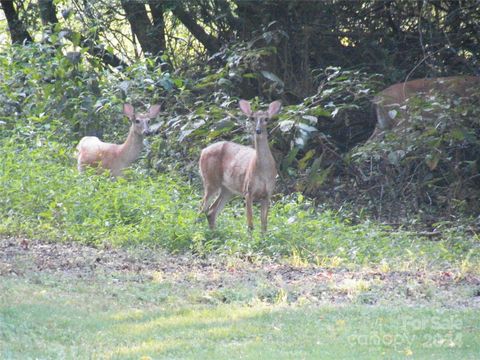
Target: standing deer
[231, 169]
[93, 152]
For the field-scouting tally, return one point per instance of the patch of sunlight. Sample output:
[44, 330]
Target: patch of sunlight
[329, 262]
[187, 318]
[468, 267]
[384, 267]
[353, 286]
[41, 293]
[157, 277]
[133, 314]
[146, 348]
[346, 41]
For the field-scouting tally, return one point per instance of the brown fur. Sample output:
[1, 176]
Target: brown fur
[231, 169]
[93, 152]
[395, 96]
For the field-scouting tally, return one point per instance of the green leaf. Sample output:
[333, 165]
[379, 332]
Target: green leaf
[458, 134]
[319, 111]
[394, 157]
[286, 125]
[307, 128]
[288, 160]
[75, 37]
[271, 76]
[302, 164]
[310, 118]
[225, 82]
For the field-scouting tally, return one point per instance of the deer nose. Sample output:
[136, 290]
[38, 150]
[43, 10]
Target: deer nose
[258, 126]
[147, 132]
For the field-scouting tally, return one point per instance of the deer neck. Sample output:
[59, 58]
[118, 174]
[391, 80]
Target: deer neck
[131, 148]
[264, 157]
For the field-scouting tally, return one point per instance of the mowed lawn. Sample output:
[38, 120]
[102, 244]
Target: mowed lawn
[54, 316]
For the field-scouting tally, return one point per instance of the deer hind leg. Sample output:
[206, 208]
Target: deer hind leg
[249, 210]
[264, 213]
[217, 207]
[210, 191]
[80, 165]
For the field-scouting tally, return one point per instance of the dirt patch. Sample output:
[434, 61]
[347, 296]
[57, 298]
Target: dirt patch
[233, 279]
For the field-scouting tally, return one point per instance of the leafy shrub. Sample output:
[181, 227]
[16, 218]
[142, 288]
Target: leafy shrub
[429, 164]
[45, 88]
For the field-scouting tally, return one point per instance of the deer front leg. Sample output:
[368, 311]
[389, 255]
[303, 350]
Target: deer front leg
[249, 209]
[264, 213]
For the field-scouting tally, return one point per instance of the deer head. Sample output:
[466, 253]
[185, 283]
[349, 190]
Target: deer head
[141, 121]
[260, 117]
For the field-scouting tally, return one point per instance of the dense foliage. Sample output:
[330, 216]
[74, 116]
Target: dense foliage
[73, 65]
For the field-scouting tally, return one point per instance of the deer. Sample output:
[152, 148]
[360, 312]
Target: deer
[91, 151]
[230, 169]
[391, 103]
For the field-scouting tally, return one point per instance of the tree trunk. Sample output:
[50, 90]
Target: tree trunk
[48, 12]
[147, 34]
[158, 23]
[100, 52]
[18, 31]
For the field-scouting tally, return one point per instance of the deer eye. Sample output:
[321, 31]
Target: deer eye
[137, 121]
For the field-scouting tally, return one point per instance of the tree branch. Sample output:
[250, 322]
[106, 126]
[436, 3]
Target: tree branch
[48, 14]
[210, 42]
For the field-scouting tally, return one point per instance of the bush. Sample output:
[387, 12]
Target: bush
[429, 165]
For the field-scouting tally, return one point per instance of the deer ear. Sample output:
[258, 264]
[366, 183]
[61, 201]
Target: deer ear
[245, 107]
[274, 108]
[153, 112]
[129, 111]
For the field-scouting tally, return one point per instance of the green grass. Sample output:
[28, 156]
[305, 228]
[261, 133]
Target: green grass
[44, 196]
[112, 315]
[51, 316]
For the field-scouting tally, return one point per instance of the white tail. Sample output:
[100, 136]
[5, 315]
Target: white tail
[231, 169]
[93, 152]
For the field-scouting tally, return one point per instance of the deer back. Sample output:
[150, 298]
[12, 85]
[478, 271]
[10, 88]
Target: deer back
[391, 104]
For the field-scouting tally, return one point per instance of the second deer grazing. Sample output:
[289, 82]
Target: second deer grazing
[229, 169]
[392, 104]
[93, 152]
